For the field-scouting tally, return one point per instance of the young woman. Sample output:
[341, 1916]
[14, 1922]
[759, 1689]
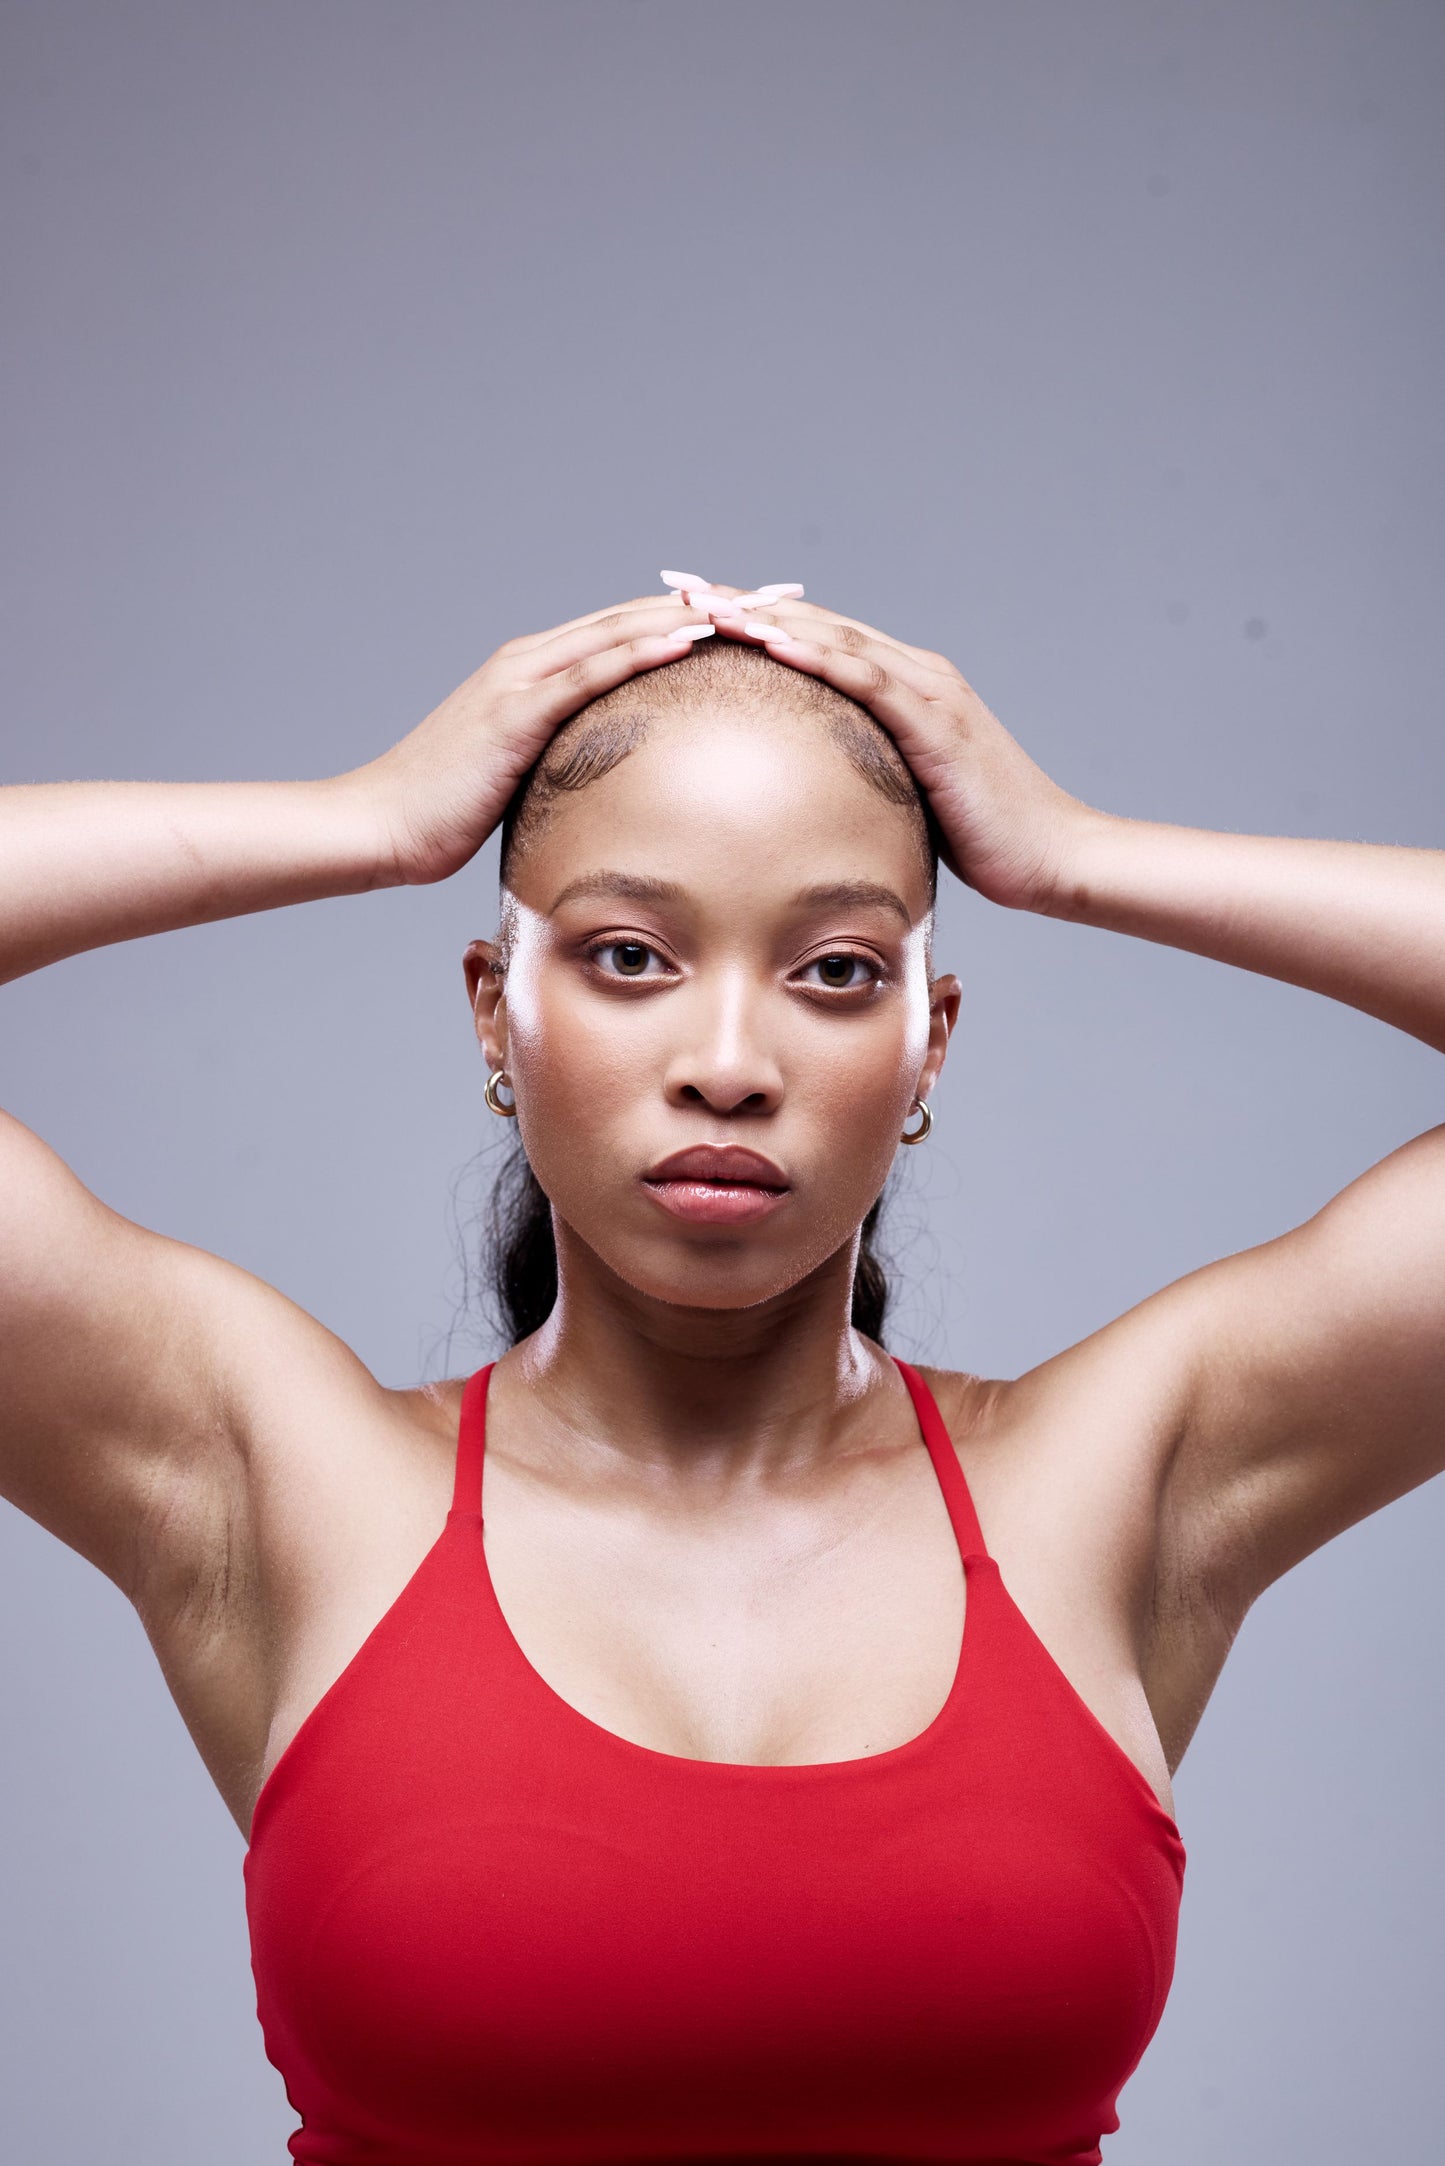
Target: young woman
[786, 1773]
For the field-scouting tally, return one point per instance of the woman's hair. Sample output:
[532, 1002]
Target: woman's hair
[520, 1254]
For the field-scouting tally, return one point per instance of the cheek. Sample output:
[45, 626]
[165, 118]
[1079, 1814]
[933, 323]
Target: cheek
[584, 1070]
[850, 1090]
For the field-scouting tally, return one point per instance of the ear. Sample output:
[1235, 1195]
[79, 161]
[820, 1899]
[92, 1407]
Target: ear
[486, 990]
[944, 997]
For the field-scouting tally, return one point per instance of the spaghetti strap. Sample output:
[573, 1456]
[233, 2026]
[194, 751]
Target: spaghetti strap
[471, 1435]
[945, 1459]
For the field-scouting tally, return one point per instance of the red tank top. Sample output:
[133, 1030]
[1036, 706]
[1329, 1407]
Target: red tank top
[485, 1929]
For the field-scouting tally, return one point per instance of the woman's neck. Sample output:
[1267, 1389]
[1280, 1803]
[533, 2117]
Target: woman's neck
[756, 1389]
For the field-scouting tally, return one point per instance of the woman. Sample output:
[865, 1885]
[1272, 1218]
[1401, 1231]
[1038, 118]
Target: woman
[787, 1772]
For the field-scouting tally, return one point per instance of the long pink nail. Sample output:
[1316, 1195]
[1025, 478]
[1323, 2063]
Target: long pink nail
[689, 633]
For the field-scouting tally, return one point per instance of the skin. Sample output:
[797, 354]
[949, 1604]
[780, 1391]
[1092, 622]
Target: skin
[710, 1519]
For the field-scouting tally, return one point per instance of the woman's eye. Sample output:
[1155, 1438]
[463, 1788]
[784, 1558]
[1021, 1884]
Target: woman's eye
[844, 973]
[623, 958]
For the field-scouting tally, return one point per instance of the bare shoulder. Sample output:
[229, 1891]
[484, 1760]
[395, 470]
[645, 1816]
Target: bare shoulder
[1097, 1422]
[1069, 1467]
[145, 1384]
[275, 1551]
[1166, 1469]
[210, 1446]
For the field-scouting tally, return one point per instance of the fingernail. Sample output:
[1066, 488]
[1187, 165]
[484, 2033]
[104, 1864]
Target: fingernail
[757, 630]
[778, 594]
[685, 579]
[690, 632]
[774, 637]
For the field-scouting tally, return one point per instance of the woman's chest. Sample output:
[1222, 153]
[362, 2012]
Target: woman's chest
[768, 1630]
[758, 1633]
[454, 1871]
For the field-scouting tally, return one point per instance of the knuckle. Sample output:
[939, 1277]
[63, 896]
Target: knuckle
[878, 677]
[851, 639]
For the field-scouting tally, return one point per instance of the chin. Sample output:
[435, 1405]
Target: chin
[690, 1275]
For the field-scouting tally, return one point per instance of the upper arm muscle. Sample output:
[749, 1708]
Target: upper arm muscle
[122, 1364]
[1316, 1387]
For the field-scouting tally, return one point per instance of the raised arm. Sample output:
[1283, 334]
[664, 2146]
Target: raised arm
[1300, 1385]
[1311, 1369]
[1361, 922]
[84, 864]
[132, 1366]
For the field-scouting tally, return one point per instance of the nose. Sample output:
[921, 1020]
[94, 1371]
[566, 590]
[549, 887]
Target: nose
[723, 1060]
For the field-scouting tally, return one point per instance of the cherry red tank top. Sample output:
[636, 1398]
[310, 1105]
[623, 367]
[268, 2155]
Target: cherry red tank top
[485, 1929]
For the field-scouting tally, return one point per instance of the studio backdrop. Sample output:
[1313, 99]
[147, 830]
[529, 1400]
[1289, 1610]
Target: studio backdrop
[1099, 347]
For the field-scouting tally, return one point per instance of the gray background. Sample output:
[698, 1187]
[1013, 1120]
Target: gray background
[1099, 346]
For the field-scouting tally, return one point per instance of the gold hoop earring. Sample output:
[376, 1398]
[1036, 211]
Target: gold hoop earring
[921, 1132]
[499, 1075]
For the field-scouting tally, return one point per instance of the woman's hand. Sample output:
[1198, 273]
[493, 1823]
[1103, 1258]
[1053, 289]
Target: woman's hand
[438, 794]
[1007, 829]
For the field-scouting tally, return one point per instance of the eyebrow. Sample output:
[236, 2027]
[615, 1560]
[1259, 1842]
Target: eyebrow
[856, 893]
[624, 886]
[636, 887]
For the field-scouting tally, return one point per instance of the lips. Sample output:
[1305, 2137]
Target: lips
[717, 1184]
[726, 1162]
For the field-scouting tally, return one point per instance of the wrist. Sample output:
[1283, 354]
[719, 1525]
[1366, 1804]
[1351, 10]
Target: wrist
[360, 807]
[1044, 859]
[1111, 867]
[1083, 842]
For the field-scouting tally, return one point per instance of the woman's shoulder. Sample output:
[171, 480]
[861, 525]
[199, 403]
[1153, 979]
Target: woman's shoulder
[969, 1404]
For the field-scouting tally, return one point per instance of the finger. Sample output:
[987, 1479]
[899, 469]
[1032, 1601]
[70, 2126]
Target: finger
[573, 643]
[553, 698]
[760, 628]
[762, 596]
[689, 587]
[908, 711]
[813, 620]
[821, 616]
[525, 641]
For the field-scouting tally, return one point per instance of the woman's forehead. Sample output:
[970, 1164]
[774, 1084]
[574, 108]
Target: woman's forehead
[715, 794]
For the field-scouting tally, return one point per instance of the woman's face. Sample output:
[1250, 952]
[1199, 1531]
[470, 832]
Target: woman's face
[720, 944]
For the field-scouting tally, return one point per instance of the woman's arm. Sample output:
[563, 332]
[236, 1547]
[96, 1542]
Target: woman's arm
[1310, 1371]
[1361, 922]
[84, 864]
[1300, 1385]
[131, 1366]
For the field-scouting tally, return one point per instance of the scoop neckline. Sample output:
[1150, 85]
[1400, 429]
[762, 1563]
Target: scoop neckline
[751, 1770]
